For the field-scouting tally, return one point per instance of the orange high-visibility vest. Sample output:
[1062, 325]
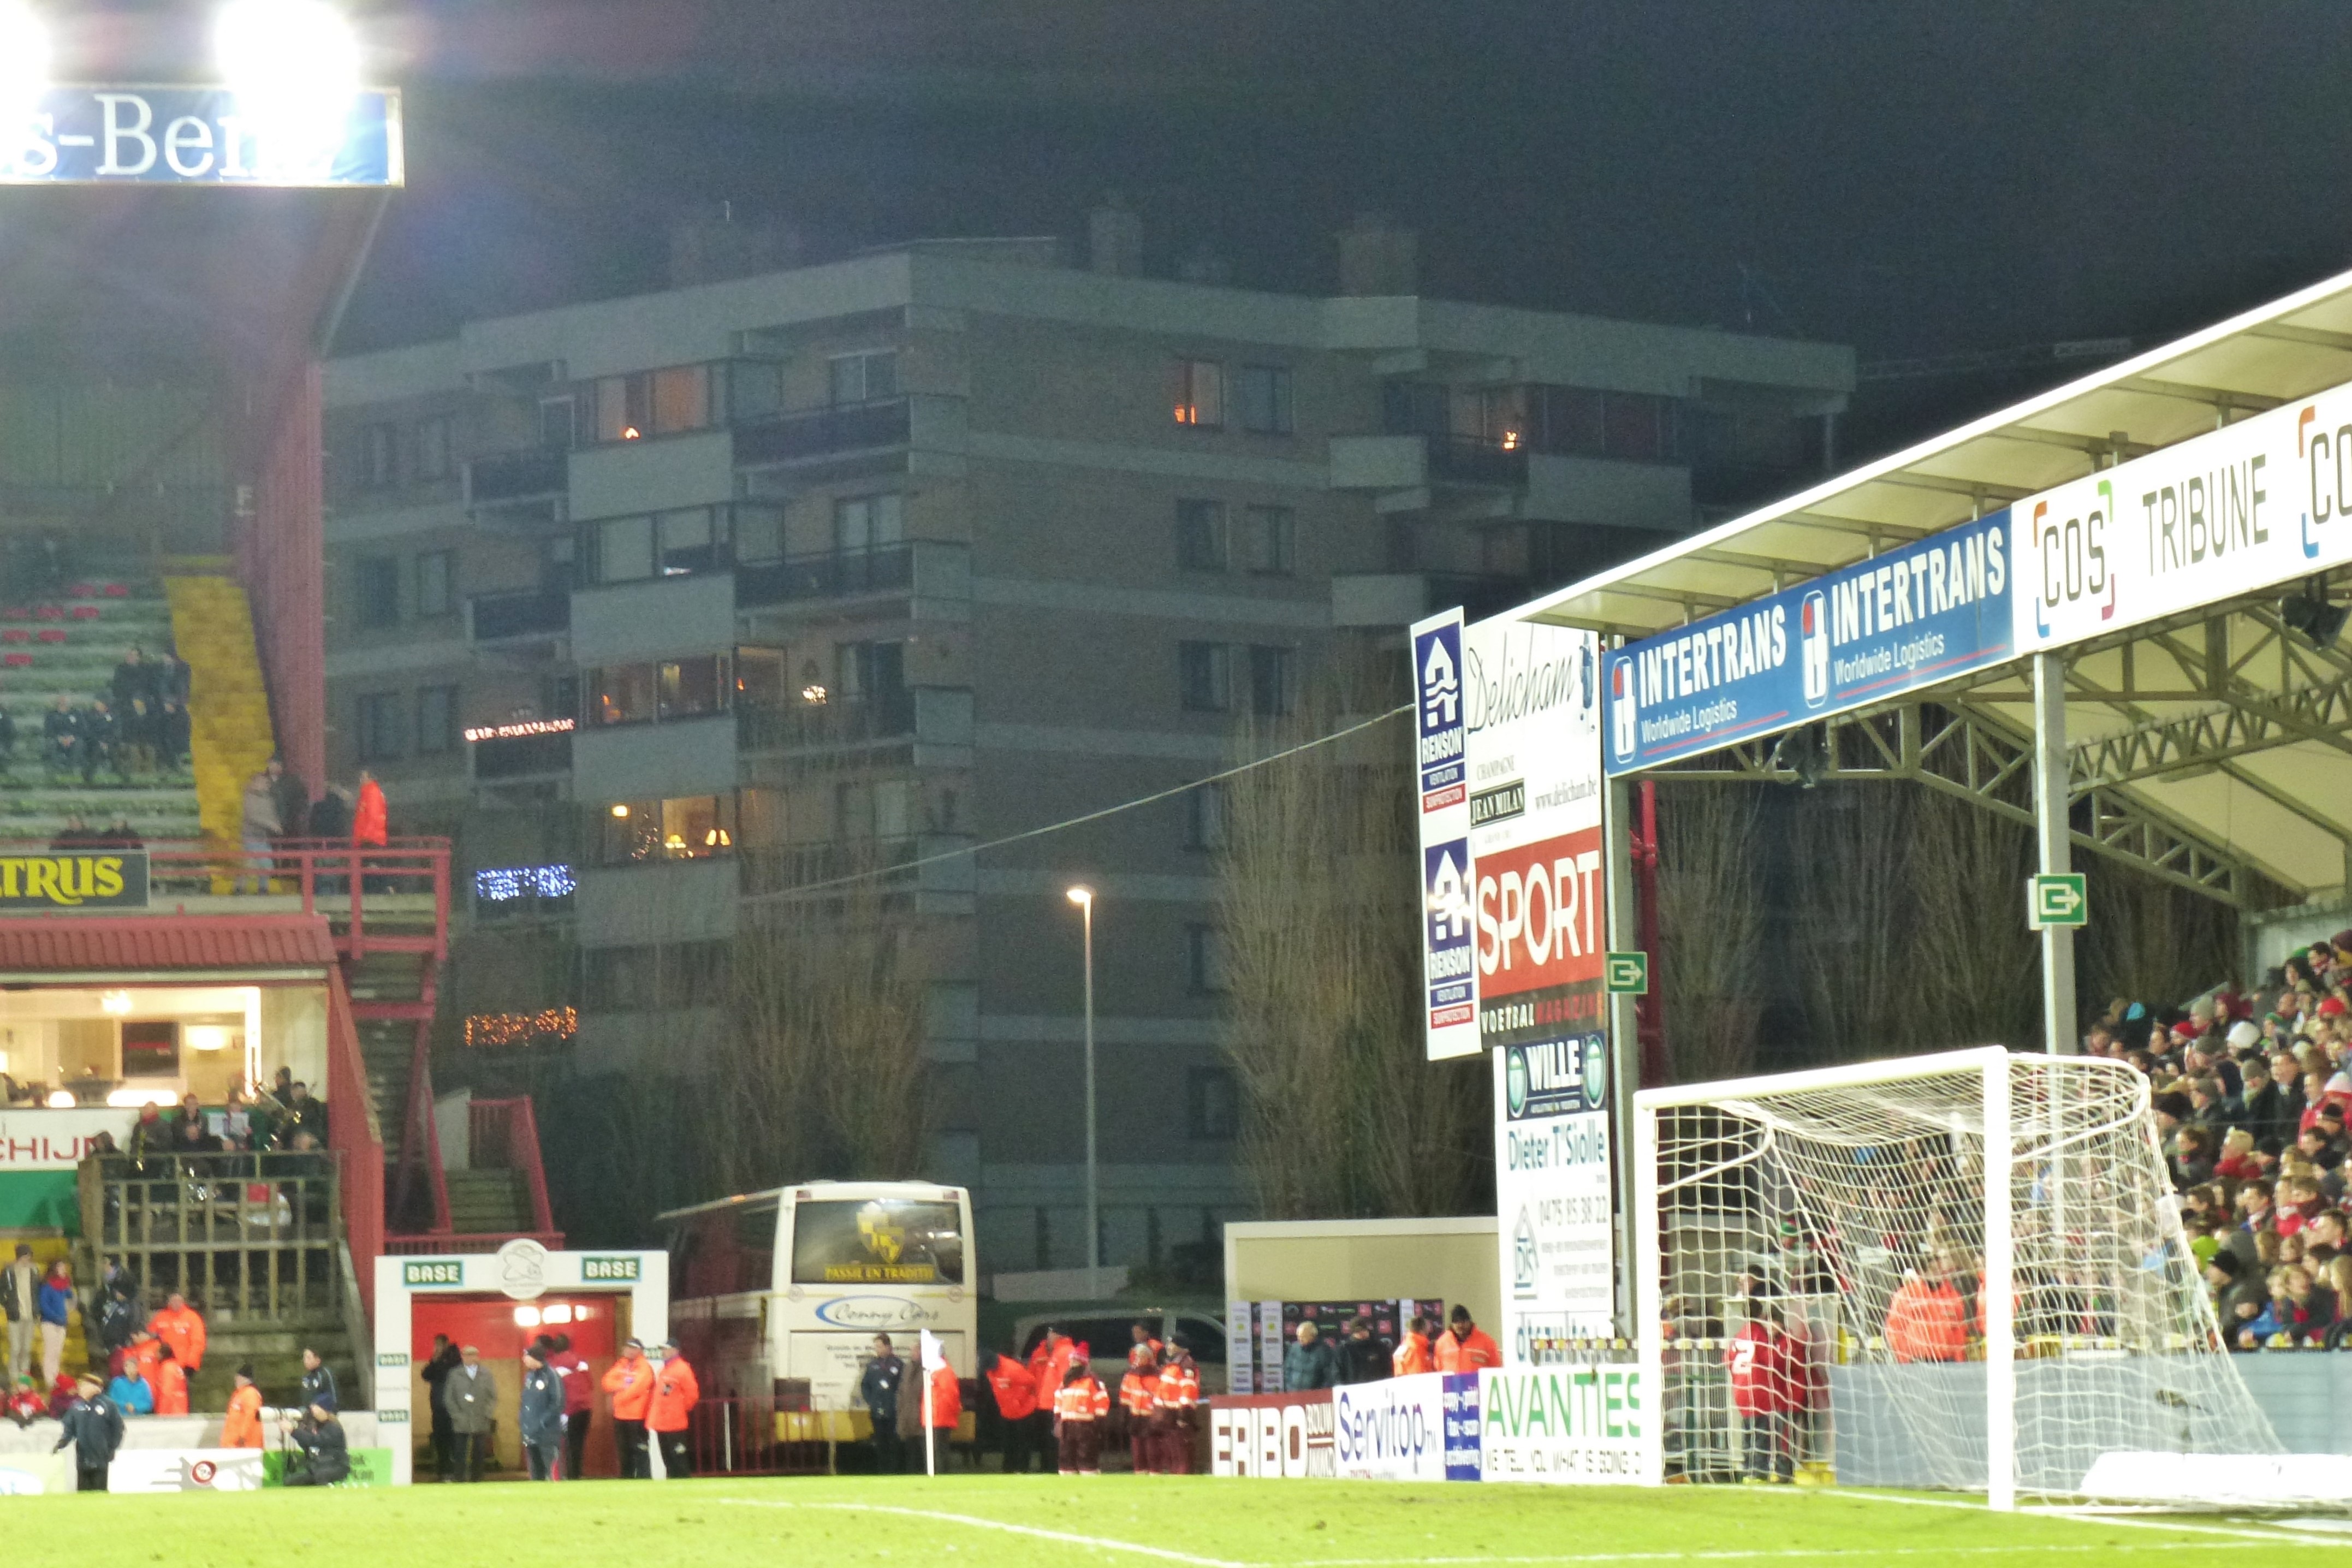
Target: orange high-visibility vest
[1137, 1391]
[1179, 1386]
[1084, 1400]
[1413, 1356]
[1015, 1387]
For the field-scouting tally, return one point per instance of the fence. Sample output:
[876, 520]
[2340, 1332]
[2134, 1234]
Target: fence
[251, 1234]
[742, 1436]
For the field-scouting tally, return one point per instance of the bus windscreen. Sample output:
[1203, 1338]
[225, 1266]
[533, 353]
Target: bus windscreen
[877, 1241]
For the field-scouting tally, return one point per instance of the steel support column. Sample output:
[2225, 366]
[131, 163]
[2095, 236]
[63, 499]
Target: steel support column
[2053, 839]
[1625, 1035]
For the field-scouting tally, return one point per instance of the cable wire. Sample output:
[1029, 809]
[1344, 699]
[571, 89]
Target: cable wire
[805, 888]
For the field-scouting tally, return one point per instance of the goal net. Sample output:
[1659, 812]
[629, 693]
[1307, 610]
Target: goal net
[1954, 1309]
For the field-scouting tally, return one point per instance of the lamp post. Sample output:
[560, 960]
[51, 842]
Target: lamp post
[1083, 897]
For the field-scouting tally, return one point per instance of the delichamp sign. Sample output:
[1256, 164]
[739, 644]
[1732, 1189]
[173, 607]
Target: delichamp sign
[1909, 618]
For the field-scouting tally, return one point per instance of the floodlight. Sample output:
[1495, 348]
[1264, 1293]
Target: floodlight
[2320, 622]
[24, 72]
[294, 65]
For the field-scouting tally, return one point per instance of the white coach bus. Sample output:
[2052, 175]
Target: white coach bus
[794, 1284]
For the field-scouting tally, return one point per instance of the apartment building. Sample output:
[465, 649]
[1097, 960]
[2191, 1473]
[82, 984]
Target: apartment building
[883, 557]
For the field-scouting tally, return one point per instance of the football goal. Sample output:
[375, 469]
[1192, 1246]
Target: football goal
[1965, 1270]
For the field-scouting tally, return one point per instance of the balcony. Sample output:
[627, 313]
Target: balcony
[512, 617]
[1469, 460]
[830, 574]
[819, 433]
[506, 759]
[1407, 466]
[514, 478]
[841, 721]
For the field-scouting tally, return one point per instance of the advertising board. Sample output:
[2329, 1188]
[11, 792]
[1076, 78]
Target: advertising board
[1272, 1434]
[1440, 768]
[1568, 1426]
[2257, 504]
[1908, 619]
[195, 135]
[1391, 1431]
[1556, 1245]
[185, 1470]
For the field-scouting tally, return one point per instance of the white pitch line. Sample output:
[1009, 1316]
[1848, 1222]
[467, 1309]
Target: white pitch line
[2274, 1536]
[1067, 1538]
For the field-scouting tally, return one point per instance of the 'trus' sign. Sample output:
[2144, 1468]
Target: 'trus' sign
[95, 879]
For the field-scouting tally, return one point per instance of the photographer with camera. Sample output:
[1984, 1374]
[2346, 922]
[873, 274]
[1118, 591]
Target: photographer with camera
[326, 1455]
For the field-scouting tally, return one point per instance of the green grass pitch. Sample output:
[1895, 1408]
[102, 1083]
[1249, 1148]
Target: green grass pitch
[1112, 1522]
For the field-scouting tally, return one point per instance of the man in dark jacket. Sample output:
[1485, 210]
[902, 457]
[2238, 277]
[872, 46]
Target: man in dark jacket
[318, 1381]
[879, 1386]
[1363, 1359]
[94, 1426]
[436, 1376]
[539, 1417]
[1308, 1363]
[328, 1452]
[472, 1395]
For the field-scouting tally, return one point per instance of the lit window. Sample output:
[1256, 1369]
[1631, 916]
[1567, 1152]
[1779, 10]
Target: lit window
[1200, 393]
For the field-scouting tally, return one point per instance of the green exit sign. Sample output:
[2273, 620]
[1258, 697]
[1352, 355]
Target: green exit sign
[431, 1271]
[2061, 899]
[608, 1270]
[1626, 973]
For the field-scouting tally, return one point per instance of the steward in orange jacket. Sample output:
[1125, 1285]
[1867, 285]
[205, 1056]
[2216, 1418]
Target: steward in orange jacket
[179, 1326]
[1080, 1406]
[1412, 1354]
[1928, 1321]
[674, 1394]
[171, 1384]
[630, 1381]
[1175, 1402]
[1026, 1427]
[1138, 1395]
[243, 1428]
[1464, 1346]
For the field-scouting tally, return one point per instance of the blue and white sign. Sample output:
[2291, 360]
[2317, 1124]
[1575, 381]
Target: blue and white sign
[1393, 1430]
[1909, 618]
[1442, 770]
[146, 135]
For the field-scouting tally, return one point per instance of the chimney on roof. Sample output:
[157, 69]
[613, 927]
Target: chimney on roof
[1114, 239]
[716, 244]
[1376, 256]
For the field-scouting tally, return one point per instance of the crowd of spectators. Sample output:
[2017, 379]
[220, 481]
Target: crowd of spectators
[2251, 1087]
[136, 725]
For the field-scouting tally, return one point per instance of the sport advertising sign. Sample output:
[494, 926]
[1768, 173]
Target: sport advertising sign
[2260, 503]
[1570, 1426]
[1909, 619]
[1441, 765]
[1552, 1196]
[1531, 703]
[161, 135]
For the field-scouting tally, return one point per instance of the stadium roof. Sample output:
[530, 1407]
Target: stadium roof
[2209, 745]
[66, 949]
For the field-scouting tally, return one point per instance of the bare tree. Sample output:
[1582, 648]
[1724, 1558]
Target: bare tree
[1711, 926]
[1319, 908]
[2152, 941]
[1854, 942]
[1973, 972]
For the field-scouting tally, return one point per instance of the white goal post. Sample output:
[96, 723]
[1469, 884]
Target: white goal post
[1974, 1262]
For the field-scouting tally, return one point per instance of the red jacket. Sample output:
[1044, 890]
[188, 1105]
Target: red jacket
[579, 1388]
[1015, 1386]
[947, 1397]
[1769, 1376]
[368, 821]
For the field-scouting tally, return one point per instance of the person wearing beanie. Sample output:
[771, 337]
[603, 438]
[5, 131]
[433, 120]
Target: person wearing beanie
[243, 1428]
[2244, 1034]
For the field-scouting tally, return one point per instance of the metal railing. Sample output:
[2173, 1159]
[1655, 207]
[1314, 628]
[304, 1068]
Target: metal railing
[535, 612]
[839, 720]
[826, 574]
[505, 1134]
[745, 1436]
[1470, 460]
[823, 432]
[252, 1234]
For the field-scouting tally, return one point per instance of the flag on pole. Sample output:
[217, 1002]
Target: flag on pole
[934, 1351]
[932, 1358]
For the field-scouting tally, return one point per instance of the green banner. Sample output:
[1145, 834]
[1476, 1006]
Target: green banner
[370, 1468]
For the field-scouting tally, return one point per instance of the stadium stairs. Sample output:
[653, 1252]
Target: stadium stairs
[68, 644]
[230, 735]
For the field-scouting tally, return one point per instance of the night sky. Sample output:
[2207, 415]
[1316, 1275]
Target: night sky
[1911, 178]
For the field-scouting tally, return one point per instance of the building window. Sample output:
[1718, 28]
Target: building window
[1269, 540]
[1200, 540]
[638, 832]
[865, 377]
[558, 422]
[1204, 674]
[883, 809]
[433, 449]
[680, 399]
[379, 739]
[375, 584]
[1212, 1105]
[666, 544]
[380, 457]
[1201, 393]
[1263, 393]
[619, 979]
[862, 523]
[1273, 673]
[671, 689]
[436, 721]
[1205, 816]
[436, 573]
[1204, 954]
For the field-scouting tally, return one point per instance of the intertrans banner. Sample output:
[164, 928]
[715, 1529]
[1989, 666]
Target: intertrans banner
[158, 135]
[1909, 618]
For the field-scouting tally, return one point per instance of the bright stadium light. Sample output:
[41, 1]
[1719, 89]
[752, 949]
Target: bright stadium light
[294, 65]
[23, 73]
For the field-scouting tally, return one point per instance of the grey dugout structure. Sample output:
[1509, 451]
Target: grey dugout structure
[2171, 688]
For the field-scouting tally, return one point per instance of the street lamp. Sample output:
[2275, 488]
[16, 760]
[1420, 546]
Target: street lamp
[1083, 897]
[295, 68]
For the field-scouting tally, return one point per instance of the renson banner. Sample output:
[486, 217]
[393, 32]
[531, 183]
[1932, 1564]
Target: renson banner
[1909, 619]
[1442, 775]
[2263, 502]
[186, 135]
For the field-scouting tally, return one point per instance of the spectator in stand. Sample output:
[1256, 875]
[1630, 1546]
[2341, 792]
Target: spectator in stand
[304, 1114]
[675, 1392]
[20, 1298]
[171, 1383]
[1363, 1359]
[291, 796]
[2192, 1156]
[56, 1303]
[579, 1401]
[878, 1386]
[1080, 1406]
[331, 823]
[25, 1405]
[471, 1393]
[7, 733]
[1464, 1346]
[2266, 1112]
[100, 736]
[134, 678]
[630, 1381]
[234, 1125]
[192, 1137]
[1412, 1355]
[138, 743]
[260, 827]
[131, 1392]
[2299, 1312]
[61, 735]
[318, 1381]
[242, 1429]
[62, 1394]
[182, 1327]
[120, 835]
[319, 1435]
[173, 730]
[538, 1415]
[93, 1428]
[1308, 1363]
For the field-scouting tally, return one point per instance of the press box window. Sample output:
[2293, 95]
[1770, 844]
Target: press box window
[1201, 393]
[1200, 540]
[1263, 393]
[1204, 672]
[375, 590]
